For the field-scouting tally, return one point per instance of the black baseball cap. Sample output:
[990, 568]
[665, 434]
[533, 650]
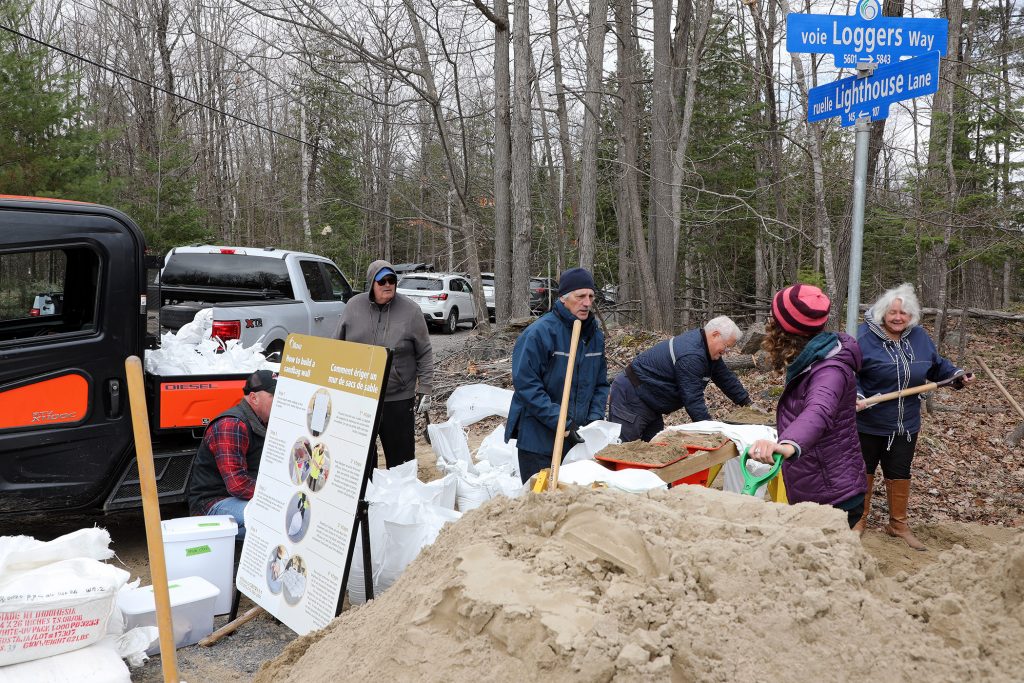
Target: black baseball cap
[261, 380]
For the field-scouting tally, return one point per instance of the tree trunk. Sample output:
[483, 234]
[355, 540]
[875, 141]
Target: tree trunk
[661, 190]
[586, 224]
[522, 147]
[628, 179]
[502, 170]
[569, 184]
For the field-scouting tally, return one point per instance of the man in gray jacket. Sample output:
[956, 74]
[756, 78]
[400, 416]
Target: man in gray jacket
[383, 317]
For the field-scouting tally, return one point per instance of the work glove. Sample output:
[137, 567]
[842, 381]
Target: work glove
[960, 380]
[422, 403]
[572, 437]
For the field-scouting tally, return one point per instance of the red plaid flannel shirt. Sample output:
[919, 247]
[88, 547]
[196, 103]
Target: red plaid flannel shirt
[228, 440]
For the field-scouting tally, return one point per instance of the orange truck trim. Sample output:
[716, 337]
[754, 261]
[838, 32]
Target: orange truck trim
[55, 400]
[193, 403]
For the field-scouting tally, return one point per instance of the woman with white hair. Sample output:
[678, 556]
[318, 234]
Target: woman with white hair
[898, 354]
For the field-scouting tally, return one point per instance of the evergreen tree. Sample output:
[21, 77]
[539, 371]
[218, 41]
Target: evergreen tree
[46, 147]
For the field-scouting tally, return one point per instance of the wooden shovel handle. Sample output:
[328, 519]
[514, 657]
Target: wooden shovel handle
[563, 411]
[151, 513]
[881, 398]
[999, 385]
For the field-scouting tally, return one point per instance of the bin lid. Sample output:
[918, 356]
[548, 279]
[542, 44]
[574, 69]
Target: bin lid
[197, 528]
[183, 591]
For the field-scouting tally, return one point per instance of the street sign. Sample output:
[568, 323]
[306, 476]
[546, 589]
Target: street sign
[870, 96]
[865, 36]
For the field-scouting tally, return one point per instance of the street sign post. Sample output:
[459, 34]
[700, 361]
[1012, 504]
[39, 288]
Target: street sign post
[856, 97]
[874, 46]
[865, 36]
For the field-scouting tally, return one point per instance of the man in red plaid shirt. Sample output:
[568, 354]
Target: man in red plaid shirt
[224, 473]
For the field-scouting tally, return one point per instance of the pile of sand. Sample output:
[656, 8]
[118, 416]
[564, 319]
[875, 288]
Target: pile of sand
[668, 446]
[690, 584]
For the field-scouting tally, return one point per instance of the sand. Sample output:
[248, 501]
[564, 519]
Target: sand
[689, 584]
[749, 416]
[668, 446]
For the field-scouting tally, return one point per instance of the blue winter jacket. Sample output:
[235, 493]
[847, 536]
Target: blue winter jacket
[539, 362]
[892, 366]
[667, 385]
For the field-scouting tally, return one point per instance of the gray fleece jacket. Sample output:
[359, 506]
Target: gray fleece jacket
[398, 325]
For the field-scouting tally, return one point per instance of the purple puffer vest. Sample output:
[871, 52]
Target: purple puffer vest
[818, 412]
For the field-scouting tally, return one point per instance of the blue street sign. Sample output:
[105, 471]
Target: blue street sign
[865, 36]
[871, 96]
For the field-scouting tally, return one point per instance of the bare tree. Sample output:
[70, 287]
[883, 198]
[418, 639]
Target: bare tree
[586, 221]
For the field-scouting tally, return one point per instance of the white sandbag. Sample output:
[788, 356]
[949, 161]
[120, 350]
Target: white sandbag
[394, 476]
[396, 497]
[404, 541]
[473, 402]
[97, 663]
[191, 351]
[198, 329]
[131, 645]
[596, 436]
[356, 576]
[494, 450]
[449, 442]
[732, 475]
[22, 553]
[440, 492]
[475, 489]
[56, 608]
[632, 480]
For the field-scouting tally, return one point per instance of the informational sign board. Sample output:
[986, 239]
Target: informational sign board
[300, 522]
[854, 97]
[865, 36]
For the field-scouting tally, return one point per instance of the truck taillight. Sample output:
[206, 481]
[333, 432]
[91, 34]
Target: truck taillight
[443, 296]
[34, 313]
[226, 329]
[227, 251]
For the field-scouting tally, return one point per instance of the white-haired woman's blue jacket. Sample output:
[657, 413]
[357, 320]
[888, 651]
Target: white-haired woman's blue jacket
[894, 365]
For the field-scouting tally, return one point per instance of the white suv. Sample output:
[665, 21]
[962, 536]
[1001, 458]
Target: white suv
[446, 300]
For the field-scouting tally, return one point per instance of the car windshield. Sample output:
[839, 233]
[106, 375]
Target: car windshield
[422, 283]
[487, 280]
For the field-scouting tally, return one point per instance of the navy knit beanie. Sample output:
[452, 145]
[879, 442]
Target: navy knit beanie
[575, 278]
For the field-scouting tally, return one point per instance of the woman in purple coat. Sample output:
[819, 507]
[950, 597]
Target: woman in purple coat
[817, 412]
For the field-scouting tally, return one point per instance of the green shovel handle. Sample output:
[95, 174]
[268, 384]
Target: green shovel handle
[751, 482]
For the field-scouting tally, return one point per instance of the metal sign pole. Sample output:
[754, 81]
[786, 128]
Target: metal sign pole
[860, 181]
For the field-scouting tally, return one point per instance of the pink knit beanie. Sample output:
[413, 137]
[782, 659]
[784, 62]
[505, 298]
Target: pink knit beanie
[801, 309]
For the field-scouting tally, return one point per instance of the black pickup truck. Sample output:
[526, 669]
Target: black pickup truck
[66, 439]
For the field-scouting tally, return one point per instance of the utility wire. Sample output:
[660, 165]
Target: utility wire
[135, 79]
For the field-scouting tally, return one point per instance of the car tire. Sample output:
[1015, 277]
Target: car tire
[452, 321]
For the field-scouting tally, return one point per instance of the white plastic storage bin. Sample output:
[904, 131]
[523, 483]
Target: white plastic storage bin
[192, 600]
[203, 546]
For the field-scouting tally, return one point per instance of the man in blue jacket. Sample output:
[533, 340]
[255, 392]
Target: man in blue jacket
[673, 374]
[539, 363]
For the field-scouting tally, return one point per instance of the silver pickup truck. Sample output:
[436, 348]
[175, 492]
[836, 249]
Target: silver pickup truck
[257, 295]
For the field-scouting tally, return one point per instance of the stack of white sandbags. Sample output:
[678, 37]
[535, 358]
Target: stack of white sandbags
[495, 469]
[58, 611]
[405, 516]
[191, 351]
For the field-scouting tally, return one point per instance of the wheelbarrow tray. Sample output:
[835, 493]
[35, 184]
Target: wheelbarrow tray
[690, 467]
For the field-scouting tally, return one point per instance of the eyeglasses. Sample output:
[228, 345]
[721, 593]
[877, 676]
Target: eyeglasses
[388, 280]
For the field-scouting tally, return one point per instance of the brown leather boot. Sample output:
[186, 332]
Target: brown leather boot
[862, 523]
[898, 491]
